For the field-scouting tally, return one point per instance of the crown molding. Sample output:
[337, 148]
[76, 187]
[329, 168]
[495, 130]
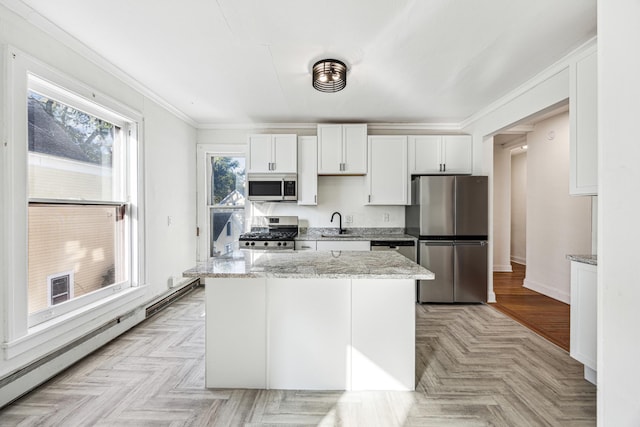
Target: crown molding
[264, 126]
[453, 127]
[34, 18]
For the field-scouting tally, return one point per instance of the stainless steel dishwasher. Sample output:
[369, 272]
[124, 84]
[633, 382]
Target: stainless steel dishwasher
[403, 247]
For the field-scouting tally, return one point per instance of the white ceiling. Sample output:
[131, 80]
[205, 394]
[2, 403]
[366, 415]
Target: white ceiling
[249, 61]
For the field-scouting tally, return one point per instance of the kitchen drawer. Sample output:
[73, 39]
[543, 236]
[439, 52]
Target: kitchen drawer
[343, 245]
[305, 245]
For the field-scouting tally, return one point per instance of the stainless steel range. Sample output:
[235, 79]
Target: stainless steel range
[271, 233]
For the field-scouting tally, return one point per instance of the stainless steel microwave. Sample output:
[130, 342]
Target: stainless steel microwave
[272, 187]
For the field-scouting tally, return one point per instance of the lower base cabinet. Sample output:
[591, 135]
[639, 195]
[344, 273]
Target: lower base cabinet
[310, 334]
[584, 305]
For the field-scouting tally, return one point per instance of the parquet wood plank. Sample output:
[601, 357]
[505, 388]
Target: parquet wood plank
[540, 313]
[474, 367]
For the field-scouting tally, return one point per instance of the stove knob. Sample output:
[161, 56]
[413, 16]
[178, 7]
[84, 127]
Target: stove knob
[253, 243]
[279, 243]
[246, 243]
[284, 243]
[266, 243]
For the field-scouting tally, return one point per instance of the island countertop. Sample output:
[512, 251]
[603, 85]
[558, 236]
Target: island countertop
[311, 264]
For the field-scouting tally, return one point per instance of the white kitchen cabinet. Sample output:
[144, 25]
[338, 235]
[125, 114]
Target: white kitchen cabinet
[273, 153]
[379, 360]
[307, 170]
[387, 178]
[343, 245]
[583, 118]
[309, 330]
[584, 302]
[305, 245]
[236, 335]
[440, 154]
[342, 149]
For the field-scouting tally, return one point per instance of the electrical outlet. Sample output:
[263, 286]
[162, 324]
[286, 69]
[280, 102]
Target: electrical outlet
[385, 217]
[348, 219]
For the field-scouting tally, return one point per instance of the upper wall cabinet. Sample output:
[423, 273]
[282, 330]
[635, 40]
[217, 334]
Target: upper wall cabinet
[583, 113]
[388, 177]
[307, 170]
[273, 153]
[440, 154]
[342, 149]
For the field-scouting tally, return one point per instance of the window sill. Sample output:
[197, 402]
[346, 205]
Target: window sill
[59, 331]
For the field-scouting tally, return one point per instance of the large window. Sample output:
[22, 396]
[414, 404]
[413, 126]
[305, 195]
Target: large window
[80, 162]
[226, 202]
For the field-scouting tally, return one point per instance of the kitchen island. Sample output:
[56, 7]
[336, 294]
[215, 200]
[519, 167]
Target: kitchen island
[310, 320]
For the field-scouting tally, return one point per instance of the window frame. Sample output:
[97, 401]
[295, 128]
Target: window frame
[20, 328]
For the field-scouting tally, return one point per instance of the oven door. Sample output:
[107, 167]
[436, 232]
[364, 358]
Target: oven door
[272, 188]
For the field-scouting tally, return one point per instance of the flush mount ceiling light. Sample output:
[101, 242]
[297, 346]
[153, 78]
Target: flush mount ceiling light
[329, 75]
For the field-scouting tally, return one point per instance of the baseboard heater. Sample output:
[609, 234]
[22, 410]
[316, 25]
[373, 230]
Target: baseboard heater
[150, 310]
[174, 296]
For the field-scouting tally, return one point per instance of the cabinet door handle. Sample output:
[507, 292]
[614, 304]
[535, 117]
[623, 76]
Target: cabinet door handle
[369, 198]
[315, 199]
[444, 167]
[440, 167]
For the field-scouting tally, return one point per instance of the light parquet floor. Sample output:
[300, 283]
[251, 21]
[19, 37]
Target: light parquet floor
[475, 367]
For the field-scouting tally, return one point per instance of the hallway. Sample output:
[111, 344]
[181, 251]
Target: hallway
[544, 315]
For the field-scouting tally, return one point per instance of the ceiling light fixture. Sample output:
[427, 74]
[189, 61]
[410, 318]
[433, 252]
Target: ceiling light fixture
[329, 75]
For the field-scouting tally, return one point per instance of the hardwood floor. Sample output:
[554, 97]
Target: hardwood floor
[545, 316]
[474, 367]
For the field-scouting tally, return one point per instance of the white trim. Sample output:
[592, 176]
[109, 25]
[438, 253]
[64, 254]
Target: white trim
[502, 268]
[547, 73]
[547, 290]
[439, 127]
[518, 260]
[54, 333]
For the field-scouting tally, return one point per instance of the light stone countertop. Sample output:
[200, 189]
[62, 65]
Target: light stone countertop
[331, 234]
[585, 259]
[311, 264]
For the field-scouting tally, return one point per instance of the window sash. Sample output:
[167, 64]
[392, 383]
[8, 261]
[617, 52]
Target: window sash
[124, 183]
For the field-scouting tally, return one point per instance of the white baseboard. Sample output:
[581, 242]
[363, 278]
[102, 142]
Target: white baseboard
[54, 366]
[502, 268]
[491, 297]
[519, 260]
[549, 291]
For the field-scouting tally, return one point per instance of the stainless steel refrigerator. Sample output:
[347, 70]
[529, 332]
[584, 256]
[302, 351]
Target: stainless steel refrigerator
[449, 216]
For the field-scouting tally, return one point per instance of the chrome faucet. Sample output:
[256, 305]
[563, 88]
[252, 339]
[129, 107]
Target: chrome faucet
[340, 218]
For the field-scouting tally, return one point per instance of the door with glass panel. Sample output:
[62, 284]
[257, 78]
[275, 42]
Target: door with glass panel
[226, 202]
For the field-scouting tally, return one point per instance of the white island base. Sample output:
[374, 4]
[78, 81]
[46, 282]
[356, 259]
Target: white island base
[310, 333]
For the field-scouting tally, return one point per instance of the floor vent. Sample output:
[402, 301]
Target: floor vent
[174, 296]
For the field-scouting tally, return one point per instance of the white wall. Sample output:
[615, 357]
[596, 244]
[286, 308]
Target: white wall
[618, 207]
[519, 207]
[169, 161]
[501, 208]
[557, 223]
